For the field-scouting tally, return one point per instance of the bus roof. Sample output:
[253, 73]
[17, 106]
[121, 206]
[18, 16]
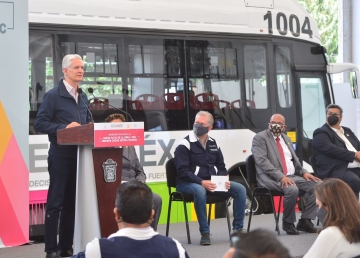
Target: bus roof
[286, 18]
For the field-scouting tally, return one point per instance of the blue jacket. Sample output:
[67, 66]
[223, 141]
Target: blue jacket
[331, 155]
[57, 110]
[194, 163]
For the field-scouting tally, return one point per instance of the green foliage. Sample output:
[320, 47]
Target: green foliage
[325, 13]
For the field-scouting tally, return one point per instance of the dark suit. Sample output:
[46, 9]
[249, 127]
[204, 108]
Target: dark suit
[332, 157]
[270, 171]
[132, 170]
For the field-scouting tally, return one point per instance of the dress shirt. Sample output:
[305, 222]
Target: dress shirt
[288, 157]
[349, 146]
[71, 90]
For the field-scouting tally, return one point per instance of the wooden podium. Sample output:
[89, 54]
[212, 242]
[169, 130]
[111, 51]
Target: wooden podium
[98, 176]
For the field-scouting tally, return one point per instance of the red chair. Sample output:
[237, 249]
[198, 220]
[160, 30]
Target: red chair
[224, 104]
[98, 104]
[149, 101]
[207, 100]
[236, 104]
[173, 101]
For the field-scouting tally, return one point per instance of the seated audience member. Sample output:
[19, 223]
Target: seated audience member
[341, 234]
[197, 158]
[132, 170]
[278, 168]
[256, 244]
[337, 150]
[135, 238]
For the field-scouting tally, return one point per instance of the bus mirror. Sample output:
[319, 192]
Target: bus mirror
[355, 91]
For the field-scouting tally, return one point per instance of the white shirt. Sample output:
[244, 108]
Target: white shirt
[288, 157]
[331, 243]
[71, 91]
[349, 146]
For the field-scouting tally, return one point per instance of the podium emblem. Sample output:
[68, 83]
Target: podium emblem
[109, 168]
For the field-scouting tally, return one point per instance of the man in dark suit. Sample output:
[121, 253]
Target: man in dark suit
[132, 170]
[278, 168]
[336, 150]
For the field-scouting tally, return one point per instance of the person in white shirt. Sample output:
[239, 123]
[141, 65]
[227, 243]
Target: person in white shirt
[337, 150]
[340, 237]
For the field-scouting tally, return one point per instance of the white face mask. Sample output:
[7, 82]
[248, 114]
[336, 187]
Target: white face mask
[275, 129]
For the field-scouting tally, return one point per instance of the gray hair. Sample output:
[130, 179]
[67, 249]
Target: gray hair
[205, 113]
[334, 106]
[66, 62]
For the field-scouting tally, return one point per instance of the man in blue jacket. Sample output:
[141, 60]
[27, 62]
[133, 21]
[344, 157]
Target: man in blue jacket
[197, 158]
[62, 107]
[337, 150]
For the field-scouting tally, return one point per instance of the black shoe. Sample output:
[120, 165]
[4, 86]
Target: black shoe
[289, 228]
[306, 225]
[53, 255]
[66, 253]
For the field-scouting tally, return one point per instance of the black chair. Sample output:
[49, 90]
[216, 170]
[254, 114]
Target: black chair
[185, 198]
[261, 191]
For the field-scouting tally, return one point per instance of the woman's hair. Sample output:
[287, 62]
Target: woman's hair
[115, 116]
[342, 206]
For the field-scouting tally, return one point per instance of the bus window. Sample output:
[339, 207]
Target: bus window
[283, 76]
[255, 77]
[312, 103]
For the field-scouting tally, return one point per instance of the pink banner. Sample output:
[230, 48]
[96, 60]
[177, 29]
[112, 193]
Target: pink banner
[113, 138]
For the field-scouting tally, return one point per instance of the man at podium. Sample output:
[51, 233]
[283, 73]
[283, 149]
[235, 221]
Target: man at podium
[62, 107]
[132, 170]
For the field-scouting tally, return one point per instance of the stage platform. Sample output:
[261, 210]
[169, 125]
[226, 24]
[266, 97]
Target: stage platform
[298, 245]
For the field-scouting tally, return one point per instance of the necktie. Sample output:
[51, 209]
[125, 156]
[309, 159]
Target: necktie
[282, 156]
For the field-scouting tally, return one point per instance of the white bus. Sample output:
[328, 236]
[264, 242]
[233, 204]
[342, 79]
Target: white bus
[164, 60]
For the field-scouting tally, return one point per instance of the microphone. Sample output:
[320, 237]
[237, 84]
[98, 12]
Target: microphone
[91, 90]
[80, 91]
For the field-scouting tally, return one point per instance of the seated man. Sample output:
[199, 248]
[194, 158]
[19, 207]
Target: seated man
[278, 168]
[135, 238]
[337, 150]
[132, 170]
[197, 158]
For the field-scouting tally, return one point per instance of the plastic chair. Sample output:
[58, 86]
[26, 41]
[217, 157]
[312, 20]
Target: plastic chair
[174, 101]
[185, 198]
[150, 101]
[207, 100]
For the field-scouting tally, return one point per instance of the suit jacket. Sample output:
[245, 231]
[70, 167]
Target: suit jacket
[267, 158]
[330, 152]
[131, 168]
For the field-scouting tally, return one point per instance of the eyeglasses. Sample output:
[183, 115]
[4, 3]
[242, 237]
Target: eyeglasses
[335, 114]
[277, 123]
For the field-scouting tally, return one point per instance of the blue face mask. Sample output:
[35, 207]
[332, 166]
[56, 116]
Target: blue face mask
[200, 130]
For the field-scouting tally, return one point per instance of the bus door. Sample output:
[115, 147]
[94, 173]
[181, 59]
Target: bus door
[314, 97]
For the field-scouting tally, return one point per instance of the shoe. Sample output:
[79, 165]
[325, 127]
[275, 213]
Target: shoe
[306, 225]
[289, 228]
[205, 239]
[53, 255]
[66, 253]
[236, 232]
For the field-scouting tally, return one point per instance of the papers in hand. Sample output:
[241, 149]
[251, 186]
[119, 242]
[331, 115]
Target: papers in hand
[220, 183]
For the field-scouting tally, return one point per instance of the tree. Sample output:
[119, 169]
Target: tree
[325, 13]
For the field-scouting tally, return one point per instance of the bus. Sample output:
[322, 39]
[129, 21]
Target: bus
[163, 61]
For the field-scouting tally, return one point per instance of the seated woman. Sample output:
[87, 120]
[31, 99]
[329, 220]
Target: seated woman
[341, 234]
[132, 170]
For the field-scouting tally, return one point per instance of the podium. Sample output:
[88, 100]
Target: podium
[98, 176]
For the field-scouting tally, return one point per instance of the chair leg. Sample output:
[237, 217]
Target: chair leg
[168, 217]
[187, 223]
[209, 215]
[251, 210]
[277, 217]
[228, 218]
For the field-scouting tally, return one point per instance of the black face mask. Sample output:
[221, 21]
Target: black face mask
[333, 120]
[275, 129]
[199, 129]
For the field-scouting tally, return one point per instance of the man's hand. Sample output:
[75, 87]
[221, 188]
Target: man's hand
[357, 156]
[227, 185]
[208, 185]
[73, 124]
[309, 176]
[285, 181]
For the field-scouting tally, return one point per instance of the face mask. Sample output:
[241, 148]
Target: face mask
[275, 129]
[321, 214]
[333, 120]
[199, 129]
